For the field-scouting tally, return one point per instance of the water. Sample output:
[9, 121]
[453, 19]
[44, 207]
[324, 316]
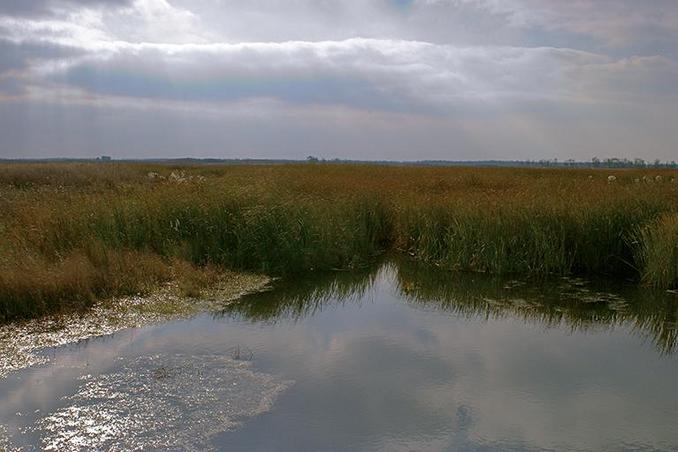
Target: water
[399, 357]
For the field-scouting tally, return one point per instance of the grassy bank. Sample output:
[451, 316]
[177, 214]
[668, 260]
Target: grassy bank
[72, 233]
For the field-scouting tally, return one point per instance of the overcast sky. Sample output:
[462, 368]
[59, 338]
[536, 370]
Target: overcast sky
[364, 79]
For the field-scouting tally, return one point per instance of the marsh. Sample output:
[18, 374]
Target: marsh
[76, 233]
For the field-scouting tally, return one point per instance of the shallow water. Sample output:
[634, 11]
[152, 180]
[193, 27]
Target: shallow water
[400, 357]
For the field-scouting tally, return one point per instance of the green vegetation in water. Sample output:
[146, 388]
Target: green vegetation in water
[74, 233]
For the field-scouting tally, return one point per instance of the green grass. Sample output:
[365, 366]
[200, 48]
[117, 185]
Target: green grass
[73, 233]
[657, 251]
[533, 239]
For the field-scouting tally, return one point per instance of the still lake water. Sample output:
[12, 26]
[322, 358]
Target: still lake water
[397, 358]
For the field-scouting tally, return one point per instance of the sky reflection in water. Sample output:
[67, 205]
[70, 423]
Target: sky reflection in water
[401, 357]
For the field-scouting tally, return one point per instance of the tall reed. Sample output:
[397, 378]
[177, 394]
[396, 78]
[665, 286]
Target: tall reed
[72, 233]
[657, 251]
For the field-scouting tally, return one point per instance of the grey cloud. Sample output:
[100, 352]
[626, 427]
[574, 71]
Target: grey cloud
[17, 59]
[637, 79]
[549, 79]
[627, 26]
[272, 20]
[45, 7]
[371, 74]
[10, 86]
[18, 55]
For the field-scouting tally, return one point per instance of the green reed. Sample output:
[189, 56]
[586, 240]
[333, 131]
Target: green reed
[74, 233]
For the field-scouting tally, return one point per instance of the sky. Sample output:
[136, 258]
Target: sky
[349, 79]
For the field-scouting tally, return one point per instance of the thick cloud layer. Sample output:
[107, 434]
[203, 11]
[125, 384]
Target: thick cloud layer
[449, 69]
[371, 74]
[47, 7]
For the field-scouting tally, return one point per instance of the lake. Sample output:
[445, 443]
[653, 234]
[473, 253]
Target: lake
[398, 357]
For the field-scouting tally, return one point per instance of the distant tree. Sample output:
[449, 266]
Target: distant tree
[613, 162]
[312, 159]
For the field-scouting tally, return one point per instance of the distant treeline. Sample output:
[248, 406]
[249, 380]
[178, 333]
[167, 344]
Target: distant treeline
[543, 163]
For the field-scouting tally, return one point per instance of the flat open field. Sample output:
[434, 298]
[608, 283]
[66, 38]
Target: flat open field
[72, 233]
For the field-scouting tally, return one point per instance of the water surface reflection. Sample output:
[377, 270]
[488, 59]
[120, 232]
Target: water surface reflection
[395, 357]
[574, 303]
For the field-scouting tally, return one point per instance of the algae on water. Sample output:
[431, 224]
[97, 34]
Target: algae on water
[20, 342]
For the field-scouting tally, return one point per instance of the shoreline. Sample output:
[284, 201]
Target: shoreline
[21, 341]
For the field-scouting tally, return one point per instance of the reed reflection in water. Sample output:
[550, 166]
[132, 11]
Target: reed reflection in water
[581, 305]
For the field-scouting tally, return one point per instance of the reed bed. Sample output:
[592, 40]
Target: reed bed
[657, 251]
[71, 233]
